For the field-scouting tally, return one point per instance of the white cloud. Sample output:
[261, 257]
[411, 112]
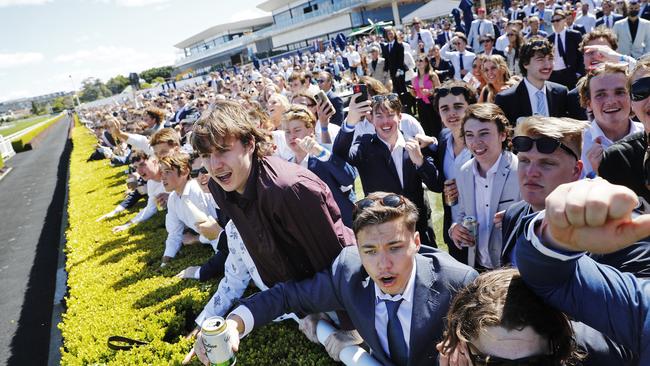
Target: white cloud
[23, 2]
[251, 13]
[15, 94]
[19, 58]
[113, 55]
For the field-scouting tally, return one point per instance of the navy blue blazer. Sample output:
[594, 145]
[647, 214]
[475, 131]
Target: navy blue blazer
[337, 102]
[573, 58]
[516, 103]
[348, 287]
[378, 173]
[336, 173]
[612, 302]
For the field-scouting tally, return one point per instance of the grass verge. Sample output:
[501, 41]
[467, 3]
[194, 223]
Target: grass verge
[117, 288]
[22, 124]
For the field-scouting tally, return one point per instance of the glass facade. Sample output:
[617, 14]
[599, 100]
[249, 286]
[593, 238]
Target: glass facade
[310, 9]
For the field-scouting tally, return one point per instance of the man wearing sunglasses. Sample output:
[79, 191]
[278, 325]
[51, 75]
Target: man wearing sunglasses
[626, 162]
[325, 84]
[396, 297]
[534, 95]
[633, 33]
[567, 59]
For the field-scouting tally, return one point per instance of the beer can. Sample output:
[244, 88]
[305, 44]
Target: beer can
[450, 200]
[470, 223]
[216, 341]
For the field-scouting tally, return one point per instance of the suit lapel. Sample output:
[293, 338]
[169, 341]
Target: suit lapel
[406, 167]
[550, 100]
[425, 307]
[525, 103]
[499, 182]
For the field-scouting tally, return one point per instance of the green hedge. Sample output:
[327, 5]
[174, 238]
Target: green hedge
[22, 143]
[2, 162]
[117, 288]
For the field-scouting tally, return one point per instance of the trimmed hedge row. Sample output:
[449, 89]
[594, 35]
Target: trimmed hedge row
[23, 143]
[117, 288]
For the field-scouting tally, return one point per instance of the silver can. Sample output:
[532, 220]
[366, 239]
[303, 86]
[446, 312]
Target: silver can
[470, 223]
[216, 341]
[450, 200]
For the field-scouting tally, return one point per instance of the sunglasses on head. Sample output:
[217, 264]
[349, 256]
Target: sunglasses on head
[383, 97]
[195, 172]
[539, 360]
[640, 89]
[556, 20]
[391, 200]
[544, 144]
[454, 90]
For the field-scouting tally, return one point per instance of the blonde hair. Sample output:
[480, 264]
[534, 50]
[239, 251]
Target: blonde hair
[177, 160]
[297, 112]
[567, 130]
[167, 136]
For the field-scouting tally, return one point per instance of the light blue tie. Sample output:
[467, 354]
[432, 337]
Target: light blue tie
[396, 342]
[541, 104]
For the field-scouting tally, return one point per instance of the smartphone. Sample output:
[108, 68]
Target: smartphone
[360, 88]
[321, 97]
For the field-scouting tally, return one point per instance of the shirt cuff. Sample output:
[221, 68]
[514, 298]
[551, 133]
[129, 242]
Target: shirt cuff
[246, 316]
[547, 251]
[324, 156]
[197, 274]
[347, 128]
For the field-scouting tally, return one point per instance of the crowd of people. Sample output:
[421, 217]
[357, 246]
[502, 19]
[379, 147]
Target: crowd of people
[532, 126]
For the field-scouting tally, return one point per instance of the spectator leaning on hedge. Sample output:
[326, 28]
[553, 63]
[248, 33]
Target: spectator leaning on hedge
[396, 297]
[185, 199]
[305, 232]
[149, 169]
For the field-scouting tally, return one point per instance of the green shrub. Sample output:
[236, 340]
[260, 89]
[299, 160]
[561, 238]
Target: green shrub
[117, 288]
[21, 143]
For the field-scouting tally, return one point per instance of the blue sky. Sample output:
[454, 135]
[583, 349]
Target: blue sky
[43, 42]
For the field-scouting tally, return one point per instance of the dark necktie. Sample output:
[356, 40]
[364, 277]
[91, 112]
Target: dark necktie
[607, 20]
[419, 37]
[460, 58]
[374, 64]
[395, 333]
[560, 47]
[479, 27]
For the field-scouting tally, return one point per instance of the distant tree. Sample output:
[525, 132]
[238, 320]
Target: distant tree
[117, 84]
[145, 85]
[164, 72]
[37, 108]
[93, 89]
[61, 103]
[158, 80]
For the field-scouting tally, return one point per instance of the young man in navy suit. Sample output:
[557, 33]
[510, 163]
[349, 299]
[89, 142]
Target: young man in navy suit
[396, 298]
[386, 160]
[534, 95]
[567, 60]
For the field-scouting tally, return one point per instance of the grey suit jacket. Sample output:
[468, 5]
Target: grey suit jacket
[505, 192]
[348, 287]
[380, 72]
[641, 43]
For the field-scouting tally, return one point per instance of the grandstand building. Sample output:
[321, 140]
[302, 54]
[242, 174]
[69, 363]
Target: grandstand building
[291, 25]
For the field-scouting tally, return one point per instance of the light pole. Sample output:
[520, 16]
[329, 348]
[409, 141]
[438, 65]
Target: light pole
[74, 92]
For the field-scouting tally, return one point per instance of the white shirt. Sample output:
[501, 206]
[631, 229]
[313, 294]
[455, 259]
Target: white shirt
[452, 164]
[139, 142]
[282, 148]
[588, 21]
[532, 91]
[454, 57]
[404, 312]
[483, 193]
[153, 189]
[592, 133]
[332, 129]
[608, 20]
[502, 42]
[179, 216]
[409, 126]
[239, 270]
[558, 61]
[397, 154]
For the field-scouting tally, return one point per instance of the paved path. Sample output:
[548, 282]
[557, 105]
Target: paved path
[31, 207]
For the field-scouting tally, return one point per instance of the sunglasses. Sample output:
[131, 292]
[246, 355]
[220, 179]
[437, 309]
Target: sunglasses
[511, 34]
[557, 20]
[195, 172]
[545, 145]
[391, 200]
[454, 90]
[321, 81]
[484, 41]
[539, 360]
[381, 98]
[640, 89]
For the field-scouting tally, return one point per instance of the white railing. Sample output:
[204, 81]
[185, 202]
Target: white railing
[6, 150]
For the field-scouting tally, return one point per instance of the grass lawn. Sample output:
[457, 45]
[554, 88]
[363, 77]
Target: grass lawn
[15, 126]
